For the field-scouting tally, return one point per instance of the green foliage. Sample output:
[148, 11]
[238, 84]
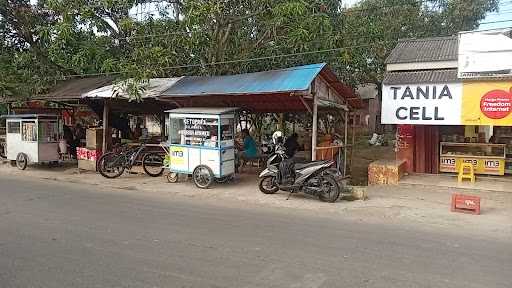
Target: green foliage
[41, 44]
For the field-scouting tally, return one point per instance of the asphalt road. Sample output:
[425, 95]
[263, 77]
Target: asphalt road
[57, 235]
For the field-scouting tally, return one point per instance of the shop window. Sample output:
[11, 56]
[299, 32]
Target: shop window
[227, 132]
[13, 127]
[48, 131]
[28, 131]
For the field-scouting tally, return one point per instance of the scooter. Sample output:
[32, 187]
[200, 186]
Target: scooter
[313, 178]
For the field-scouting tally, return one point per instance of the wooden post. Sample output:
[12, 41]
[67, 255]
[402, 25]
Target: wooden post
[353, 141]
[314, 133]
[345, 142]
[280, 125]
[162, 128]
[106, 111]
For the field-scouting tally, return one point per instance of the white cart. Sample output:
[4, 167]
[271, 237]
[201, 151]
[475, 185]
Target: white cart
[201, 143]
[32, 138]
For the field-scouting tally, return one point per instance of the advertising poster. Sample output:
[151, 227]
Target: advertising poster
[179, 158]
[487, 103]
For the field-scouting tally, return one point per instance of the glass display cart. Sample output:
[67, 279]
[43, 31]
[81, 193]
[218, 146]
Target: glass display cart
[486, 158]
[32, 138]
[201, 143]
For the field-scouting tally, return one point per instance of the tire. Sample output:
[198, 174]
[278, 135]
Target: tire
[172, 177]
[203, 177]
[273, 188]
[113, 171]
[153, 164]
[332, 189]
[22, 161]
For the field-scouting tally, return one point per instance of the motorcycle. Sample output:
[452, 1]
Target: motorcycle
[314, 178]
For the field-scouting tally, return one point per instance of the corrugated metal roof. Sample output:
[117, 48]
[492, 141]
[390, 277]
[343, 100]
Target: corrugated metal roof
[74, 88]
[275, 81]
[153, 89]
[284, 82]
[427, 76]
[424, 50]
[202, 110]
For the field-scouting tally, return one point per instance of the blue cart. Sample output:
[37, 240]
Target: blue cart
[202, 144]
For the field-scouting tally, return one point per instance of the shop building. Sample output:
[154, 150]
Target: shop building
[450, 104]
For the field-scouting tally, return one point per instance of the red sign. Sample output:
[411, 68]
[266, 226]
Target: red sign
[496, 104]
[465, 204]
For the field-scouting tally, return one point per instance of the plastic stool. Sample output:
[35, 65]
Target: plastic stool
[470, 175]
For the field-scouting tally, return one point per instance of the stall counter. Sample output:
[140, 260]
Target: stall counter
[486, 158]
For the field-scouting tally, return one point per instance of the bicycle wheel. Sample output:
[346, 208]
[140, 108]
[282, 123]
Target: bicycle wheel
[153, 164]
[111, 165]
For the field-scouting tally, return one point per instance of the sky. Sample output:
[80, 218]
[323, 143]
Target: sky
[501, 19]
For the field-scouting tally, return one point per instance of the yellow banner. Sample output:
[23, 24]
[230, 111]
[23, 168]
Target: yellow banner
[487, 103]
[489, 166]
[177, 155]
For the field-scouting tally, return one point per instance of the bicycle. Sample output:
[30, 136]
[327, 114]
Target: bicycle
[113, 164]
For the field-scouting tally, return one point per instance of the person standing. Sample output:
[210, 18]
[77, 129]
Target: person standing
[291, 145]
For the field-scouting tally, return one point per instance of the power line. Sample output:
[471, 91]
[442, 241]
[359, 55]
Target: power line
[64, 77]
[495, 22]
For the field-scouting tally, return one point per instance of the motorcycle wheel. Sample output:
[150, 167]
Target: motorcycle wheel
[268, 185]
[330, 190]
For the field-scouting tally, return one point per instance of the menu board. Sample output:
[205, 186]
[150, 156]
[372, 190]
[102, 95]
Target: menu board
[197, 131]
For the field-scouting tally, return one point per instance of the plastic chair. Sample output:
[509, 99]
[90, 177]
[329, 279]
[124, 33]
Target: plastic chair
[469, 175]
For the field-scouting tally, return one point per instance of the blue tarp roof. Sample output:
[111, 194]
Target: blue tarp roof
[275, 81]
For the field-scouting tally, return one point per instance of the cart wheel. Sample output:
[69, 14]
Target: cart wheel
[172, 177]
[203, 177]
[22, 161]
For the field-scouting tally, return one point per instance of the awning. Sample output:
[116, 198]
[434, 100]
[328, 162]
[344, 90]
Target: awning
[285, 90]
[153, 89]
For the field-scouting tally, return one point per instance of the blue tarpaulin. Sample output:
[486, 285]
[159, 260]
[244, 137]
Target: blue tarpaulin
[275, 81]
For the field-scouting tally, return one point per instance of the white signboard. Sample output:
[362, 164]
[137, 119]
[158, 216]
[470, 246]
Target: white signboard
[429, 104]
[485, 54]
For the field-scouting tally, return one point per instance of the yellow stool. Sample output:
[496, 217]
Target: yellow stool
[470, 175]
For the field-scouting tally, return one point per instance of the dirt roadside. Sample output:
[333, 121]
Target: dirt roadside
[425, 207]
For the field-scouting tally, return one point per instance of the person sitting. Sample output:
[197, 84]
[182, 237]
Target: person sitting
[249, 150]
[291, 145]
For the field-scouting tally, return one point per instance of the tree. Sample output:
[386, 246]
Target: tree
[43, 43]
[376, 25]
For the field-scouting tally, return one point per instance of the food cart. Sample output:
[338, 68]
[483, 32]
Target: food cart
[32, 138]
[201, 143]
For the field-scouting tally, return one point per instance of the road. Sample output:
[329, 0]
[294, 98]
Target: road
[59, 235]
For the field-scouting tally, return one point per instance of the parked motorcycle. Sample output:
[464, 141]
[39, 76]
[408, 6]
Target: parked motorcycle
[314, 178]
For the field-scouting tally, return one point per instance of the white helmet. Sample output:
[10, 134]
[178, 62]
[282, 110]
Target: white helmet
[277, 137]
